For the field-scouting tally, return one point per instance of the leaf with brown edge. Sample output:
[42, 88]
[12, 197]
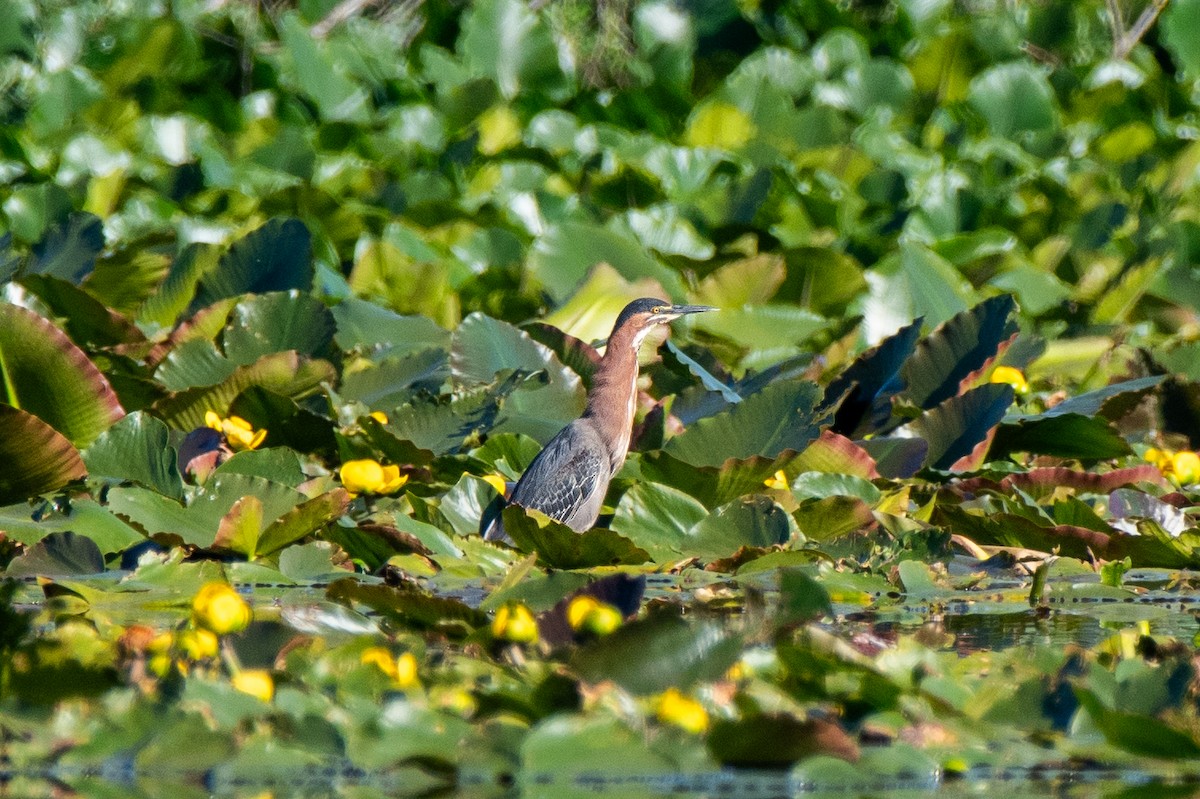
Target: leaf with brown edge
[837, 454]
[34, 457]
[1008, 529]
[45, 374]
[240, 527]
[953, 355]
[305, 519]
[1041, 482]
[960, 429]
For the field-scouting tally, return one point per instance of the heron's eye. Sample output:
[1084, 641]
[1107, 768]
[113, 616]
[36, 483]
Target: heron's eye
[659, 309]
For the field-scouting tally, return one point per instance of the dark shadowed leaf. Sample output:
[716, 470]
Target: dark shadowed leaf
[948, 358]
[34, 457]
[69, 249]
[662, 651]
[777, 740]
[1063, 435]
[287, 423]
[959, 429]
[64, 554]
[862, 392]
[275, 257]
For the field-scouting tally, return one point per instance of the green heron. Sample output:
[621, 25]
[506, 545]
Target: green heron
[569, 477]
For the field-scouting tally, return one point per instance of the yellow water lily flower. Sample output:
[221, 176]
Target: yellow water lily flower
[257, 682]
[366, 476]
[515, 622]
[672, 707]
[777, 481]
[588, 614]
[1012, 376]
[240, 434]
[1181, 467]
[220, 609]
[198, 644]
[379, 416]
[401, 670]
[1185, 465]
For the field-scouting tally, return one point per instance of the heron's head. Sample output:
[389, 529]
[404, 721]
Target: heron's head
[641, 316]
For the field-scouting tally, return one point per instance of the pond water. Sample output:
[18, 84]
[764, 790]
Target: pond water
[999, 618]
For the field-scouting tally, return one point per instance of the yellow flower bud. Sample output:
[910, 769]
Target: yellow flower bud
[198, 644]
[161, 643]
[515, 623]
[406, 671]
[588, 614]
[368, 476]
[1012, 376]
[159, 665]
[256, 682]
[497, 482]
[219, 608]
[1186, 466]
[681, 711]
[379, 416]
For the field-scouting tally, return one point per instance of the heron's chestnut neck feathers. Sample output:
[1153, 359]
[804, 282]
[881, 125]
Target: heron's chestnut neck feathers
[613, 398]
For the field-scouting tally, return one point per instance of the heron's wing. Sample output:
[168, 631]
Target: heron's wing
[566, 481]
[562, 482]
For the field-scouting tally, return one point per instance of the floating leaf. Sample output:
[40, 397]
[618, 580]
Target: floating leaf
[63, 554]
[657, 518]
[778, 418]
[659, 652]
[753, 521]
[560, 547]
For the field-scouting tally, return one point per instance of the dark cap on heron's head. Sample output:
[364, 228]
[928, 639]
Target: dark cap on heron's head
[656, 311]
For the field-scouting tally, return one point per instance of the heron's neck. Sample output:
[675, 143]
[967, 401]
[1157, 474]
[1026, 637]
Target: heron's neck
[613, 397]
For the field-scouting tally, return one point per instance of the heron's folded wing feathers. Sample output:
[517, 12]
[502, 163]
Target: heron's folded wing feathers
[565, 478]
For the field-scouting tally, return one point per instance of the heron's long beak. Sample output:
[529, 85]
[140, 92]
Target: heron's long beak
[680, 310]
